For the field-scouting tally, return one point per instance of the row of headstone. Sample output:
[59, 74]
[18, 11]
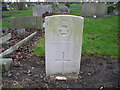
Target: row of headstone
[63, 45]
[93, 9]
[88, 9]
[29, 22]
[41, 9]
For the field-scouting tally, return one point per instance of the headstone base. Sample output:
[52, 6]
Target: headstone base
[68, 76]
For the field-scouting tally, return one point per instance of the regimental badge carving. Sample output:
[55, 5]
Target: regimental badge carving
[63, 30]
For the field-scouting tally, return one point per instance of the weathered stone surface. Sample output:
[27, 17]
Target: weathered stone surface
[63, 44]
[41, 9]
[93, 9]
[5, 38]
[6, 63]
[29, 22]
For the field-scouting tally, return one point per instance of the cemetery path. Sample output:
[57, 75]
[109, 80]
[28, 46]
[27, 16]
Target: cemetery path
[96, 72]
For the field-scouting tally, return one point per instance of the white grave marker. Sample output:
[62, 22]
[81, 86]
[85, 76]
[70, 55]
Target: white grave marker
[63, 43]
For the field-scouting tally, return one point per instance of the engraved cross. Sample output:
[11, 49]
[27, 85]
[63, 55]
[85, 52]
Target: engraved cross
[63, 60]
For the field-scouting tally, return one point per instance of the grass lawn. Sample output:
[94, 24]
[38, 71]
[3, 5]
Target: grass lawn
[15, 13]
[100, 35]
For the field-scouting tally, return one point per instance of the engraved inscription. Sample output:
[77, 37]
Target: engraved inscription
[63, 46]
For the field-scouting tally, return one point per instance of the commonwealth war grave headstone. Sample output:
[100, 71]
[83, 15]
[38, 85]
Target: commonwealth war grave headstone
[63, 43]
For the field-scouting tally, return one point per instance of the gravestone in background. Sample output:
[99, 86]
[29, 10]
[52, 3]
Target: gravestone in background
[29, 22]
[41, 9]
[63, 43]
[91, 9]
[21, 6]
[63, 9]
[21, 32]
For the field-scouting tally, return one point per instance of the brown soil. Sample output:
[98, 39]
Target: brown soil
[96, 72]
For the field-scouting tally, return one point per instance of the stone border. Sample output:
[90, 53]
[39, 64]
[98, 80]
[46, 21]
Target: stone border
[16, 46]
[5, 38]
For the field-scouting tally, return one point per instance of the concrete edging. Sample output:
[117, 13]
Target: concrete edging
[5, 38]
[16, 46]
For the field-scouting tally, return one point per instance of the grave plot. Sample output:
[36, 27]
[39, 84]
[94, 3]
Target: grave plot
[26, 50]
[15, 37]
[12, 42]
[95, 71]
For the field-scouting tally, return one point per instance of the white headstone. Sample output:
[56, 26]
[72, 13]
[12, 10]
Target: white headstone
[63, 43]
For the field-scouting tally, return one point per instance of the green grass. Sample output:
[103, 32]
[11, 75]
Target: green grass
[100, 36]
[76, 12]
[20, 13]
[39, 49]
[76, 6]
